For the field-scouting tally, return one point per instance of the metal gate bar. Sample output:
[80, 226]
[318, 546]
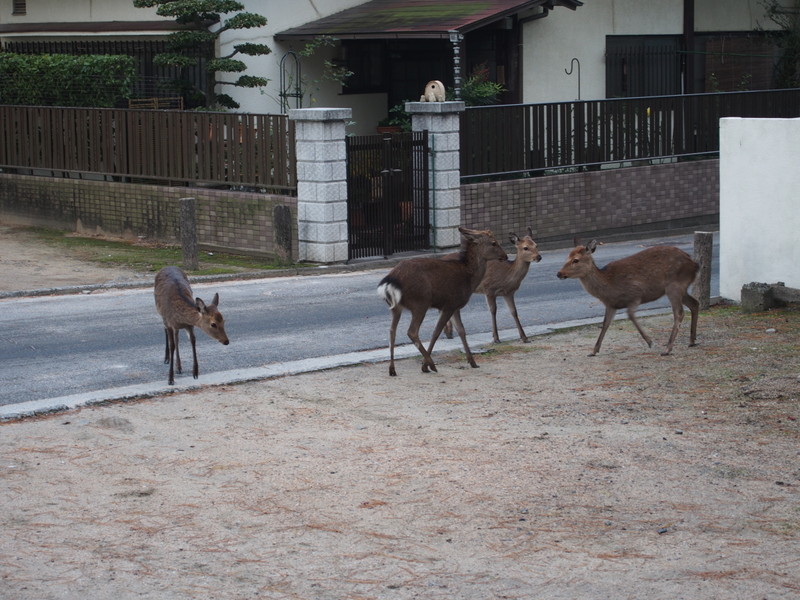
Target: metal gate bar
[387, 194]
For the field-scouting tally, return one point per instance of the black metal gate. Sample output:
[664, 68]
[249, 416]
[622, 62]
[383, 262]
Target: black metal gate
[387, 193]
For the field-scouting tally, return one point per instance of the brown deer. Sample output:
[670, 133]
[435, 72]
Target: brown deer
[178, 311]
[503, 278]
[642, 277]
[418, 284]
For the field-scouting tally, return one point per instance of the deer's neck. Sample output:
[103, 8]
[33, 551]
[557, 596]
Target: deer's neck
[519, 269]
[597, 281]
[476, 266]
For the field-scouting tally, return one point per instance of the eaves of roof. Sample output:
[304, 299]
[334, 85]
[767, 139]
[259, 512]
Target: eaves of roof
[381, 19]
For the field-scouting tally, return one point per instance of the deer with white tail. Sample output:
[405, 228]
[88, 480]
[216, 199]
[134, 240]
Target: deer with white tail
[179, 311]
[642, 277]
[418, 284]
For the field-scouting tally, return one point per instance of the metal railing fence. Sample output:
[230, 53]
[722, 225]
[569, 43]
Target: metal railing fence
[518, 140]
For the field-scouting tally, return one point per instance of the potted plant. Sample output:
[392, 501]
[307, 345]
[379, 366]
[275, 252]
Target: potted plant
[398, 120]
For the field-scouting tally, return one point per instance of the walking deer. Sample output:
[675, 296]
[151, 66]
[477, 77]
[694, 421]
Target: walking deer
[642, 277]
[178, 311]
[503, 278]
[418, 284]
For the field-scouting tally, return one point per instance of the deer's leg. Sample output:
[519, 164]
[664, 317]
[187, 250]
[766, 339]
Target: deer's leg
[195, 369]
[413, 334]
[632, 316]
[694, 308]
[512, 308]
[171, 335]
[609, 316]
[166, 346]
[448, 329]
[445, 319]
[396, 312]
[463, 335]
[176, 342]
[677, 318]
[491, 302]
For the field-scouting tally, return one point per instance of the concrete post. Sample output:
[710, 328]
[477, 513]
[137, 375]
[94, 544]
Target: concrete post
[321, 183]
[703, 250]
[189, 233]
[442, 121]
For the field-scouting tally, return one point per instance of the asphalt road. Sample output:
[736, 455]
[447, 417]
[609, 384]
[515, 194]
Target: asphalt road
[111, 344]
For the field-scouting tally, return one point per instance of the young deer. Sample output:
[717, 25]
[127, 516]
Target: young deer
[643, 277]
[503, 278]
[418, 284]
[178, 311]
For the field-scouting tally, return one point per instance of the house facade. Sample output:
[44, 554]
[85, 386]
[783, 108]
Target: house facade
[538, 50]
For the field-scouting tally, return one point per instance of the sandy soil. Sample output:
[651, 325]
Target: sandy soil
[543, 474]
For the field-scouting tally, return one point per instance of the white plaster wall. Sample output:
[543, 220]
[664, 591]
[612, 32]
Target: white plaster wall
[63, 11]
[282, 16]
[759, 203]
[549, 44]
[730, 15]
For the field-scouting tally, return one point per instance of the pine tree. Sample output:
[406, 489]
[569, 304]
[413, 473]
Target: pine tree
[206, 22]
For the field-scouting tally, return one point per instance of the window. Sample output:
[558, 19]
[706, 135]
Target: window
[642, 66]
[366, 60]
[19, 7]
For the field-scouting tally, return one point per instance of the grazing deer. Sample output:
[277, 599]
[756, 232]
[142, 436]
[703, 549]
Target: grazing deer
[643, 277]
[178, 311]
[503, 278]
[418, 284]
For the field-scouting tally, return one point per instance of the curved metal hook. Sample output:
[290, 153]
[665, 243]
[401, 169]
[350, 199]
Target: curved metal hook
[571, 65]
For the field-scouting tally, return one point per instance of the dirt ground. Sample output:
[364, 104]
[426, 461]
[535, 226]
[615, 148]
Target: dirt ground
[27, 265]
[543, 474]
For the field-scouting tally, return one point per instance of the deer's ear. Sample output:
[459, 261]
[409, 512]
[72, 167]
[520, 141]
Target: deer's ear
[201, 306]
[513, 237]
[215, 301]
[530, 232]
[592, 246]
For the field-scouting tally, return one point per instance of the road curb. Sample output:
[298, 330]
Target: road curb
[478, 343]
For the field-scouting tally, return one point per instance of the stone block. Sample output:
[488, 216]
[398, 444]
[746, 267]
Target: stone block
[759, 297]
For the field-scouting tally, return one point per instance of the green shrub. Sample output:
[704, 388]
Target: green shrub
[65, 79]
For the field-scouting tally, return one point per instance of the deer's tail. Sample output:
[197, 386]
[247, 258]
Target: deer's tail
[389, 290]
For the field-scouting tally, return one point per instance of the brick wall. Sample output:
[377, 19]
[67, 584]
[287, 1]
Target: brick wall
[258, 224]
[602, 204]
[599, 203]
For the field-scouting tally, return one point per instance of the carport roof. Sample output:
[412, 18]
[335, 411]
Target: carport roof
[389, 19]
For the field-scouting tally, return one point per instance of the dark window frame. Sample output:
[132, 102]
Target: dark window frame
[19, 7]
[366, 59]
[643, 65]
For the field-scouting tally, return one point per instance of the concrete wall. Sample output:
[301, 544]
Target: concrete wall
[242, 222]
[759, 203]
[603, 204]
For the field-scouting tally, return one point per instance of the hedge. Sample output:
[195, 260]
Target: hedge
[65, 80]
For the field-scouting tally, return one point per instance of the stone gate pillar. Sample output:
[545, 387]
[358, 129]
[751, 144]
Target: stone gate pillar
[442, 120]
[321, 183]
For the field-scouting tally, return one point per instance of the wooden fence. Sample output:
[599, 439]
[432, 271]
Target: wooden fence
[249, 151]
[519, 140]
